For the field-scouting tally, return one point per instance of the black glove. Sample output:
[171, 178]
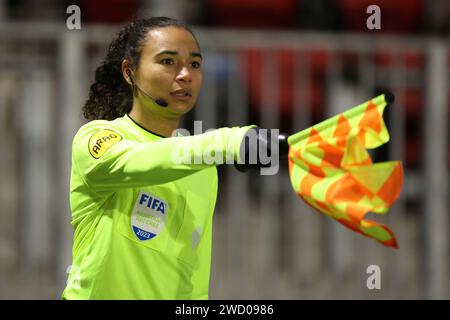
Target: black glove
[256, 140]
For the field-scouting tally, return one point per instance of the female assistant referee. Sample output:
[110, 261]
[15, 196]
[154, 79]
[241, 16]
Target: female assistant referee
[143, 219]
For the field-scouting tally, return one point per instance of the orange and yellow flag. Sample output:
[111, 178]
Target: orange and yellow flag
[332, 171]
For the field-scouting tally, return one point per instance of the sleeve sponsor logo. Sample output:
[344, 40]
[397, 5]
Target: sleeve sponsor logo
[102, 141]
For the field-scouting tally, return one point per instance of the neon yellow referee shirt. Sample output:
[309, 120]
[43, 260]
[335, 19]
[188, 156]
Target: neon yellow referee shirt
[142, 221]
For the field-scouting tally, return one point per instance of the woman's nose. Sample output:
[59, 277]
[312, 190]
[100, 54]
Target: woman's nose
[184, 75]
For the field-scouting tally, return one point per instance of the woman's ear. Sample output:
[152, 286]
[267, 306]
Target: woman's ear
[127, 71]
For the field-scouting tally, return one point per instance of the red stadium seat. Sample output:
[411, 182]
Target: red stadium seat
[109, 11]
[253, 13]
[286, 90]
[402, 16]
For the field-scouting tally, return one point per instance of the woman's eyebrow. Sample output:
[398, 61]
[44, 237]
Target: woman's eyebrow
[197, 54]
[170, 52]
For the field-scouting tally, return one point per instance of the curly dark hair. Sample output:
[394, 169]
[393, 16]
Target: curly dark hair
[110, 96]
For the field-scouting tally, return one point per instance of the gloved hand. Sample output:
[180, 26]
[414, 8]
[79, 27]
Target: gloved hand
[259, 141]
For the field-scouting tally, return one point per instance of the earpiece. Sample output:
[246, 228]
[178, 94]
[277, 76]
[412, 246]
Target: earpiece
[130, 76]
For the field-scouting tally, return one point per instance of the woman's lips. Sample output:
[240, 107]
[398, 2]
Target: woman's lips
[181, 96]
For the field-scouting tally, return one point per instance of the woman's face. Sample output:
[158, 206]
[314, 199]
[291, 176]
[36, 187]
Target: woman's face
[169, 68]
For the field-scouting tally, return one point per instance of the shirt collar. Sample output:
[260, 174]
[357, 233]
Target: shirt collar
[133, 122]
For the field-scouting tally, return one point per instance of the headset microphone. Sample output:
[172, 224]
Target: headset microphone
[160, 101]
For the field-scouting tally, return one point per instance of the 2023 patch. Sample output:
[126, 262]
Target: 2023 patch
[149, 216]
[102, 141]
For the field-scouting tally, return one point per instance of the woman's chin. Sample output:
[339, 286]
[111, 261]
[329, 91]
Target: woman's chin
[180, 108]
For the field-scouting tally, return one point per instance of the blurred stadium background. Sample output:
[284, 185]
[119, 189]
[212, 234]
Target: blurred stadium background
[281, 64]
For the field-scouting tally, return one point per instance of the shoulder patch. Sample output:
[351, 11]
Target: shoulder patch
[102, 141]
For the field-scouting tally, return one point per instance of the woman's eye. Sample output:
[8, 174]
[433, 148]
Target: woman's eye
[167, 61]
[195, 64]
